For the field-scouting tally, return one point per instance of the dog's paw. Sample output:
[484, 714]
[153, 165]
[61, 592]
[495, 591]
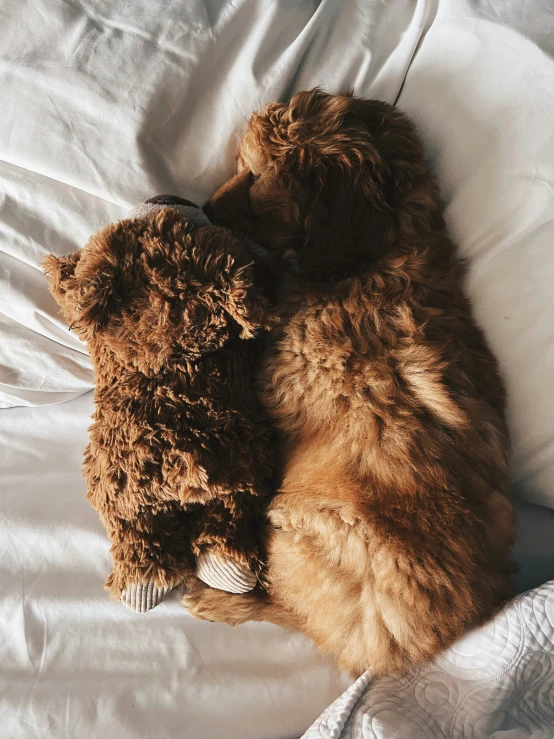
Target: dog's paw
[208, 604]
[279, 515]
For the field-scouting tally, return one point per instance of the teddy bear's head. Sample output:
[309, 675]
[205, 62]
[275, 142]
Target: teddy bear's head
[159, 287]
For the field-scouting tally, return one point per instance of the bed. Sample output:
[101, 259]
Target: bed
[106, 102]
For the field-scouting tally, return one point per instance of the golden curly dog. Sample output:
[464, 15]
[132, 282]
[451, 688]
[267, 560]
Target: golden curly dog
[393, 526]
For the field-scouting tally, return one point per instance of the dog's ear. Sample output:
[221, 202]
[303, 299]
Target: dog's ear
[351, 221]
[368, 177]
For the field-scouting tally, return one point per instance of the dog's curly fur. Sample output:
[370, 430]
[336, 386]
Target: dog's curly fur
[179, 455]
[393, 526]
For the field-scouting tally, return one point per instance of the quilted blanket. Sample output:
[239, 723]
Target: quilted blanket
[498, 681]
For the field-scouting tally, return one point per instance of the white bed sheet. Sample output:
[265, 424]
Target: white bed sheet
[75, 665]
[102, 103]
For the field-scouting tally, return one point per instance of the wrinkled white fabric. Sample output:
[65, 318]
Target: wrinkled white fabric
[76, 664]
[104, 103]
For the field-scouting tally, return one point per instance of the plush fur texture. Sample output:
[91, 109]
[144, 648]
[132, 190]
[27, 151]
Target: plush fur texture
[393, 526]
[180, 456]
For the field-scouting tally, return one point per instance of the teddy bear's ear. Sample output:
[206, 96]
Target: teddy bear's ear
[247, 305]
[60, 272]
[226, 264]
[83, 284]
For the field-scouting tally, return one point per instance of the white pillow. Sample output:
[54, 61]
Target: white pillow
[483, 97]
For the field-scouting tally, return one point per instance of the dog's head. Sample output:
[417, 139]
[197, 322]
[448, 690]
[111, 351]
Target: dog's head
[155, 288]
[331, 176]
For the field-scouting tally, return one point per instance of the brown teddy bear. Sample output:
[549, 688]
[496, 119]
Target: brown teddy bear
[179, 462]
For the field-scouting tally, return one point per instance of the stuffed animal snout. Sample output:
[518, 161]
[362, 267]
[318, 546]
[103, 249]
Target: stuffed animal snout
[193, 212]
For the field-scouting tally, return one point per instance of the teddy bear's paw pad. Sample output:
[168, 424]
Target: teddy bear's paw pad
[141, 597]
[224, 574]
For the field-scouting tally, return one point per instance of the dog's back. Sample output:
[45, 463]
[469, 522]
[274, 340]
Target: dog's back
[393, 527]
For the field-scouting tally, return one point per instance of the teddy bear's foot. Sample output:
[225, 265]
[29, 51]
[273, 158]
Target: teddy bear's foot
[141, 597]
[222, 573]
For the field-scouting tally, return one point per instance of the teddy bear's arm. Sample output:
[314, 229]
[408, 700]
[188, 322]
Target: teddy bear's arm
[229, 540]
